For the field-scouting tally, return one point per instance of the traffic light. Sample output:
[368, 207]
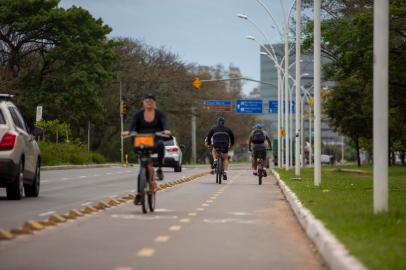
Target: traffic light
[197, 83]
[123, 107]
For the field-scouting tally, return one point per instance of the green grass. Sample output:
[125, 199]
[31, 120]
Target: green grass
[344, 202]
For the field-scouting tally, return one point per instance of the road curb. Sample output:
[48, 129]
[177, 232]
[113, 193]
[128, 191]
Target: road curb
[333, 251]
[87, 166]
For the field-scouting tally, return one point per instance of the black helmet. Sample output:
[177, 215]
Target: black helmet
[220, 121]
[149, 95]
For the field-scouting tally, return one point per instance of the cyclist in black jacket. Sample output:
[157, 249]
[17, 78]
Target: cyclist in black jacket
[256, 145]
[151, 120]
[221, 137]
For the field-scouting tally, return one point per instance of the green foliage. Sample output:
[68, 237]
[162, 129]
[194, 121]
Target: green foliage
[68, 153]
[344, 204]
[55, 128]
[347, 39]
[59, 58]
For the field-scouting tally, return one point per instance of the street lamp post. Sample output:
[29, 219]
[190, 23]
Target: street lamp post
[380, 101]
[317, 110]
[298, 81]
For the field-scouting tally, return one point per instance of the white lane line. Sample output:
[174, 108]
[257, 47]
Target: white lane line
[162, 239]
[82, 176]
[86, 203]
[175, 228]
[44, 181]
[109, 173]
[96, 175]
[65, 178]
[46, 213]
[113, 196]
[184, 220]
[146, 252]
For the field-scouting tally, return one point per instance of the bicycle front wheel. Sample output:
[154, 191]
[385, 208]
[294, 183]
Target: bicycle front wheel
[142, 187]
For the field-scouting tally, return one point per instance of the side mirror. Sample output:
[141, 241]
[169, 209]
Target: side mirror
[38, 132]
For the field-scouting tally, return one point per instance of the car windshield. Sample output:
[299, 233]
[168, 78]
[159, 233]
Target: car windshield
[169, 143]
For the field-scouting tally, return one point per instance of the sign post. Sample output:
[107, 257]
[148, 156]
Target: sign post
[38, 116]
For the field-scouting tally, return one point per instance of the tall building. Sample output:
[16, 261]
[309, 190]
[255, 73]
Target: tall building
[269, 73]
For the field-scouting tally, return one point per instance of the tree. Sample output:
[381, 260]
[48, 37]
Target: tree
[55, 57]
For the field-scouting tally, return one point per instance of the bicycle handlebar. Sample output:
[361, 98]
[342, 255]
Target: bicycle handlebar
[159, 133]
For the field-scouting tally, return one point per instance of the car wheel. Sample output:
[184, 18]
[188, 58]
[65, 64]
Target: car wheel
[15, 190]
[33, 189]
[178, 168]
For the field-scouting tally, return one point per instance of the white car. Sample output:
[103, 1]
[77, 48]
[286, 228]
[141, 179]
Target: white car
[325, 159]
[20, 157]
[173, 155]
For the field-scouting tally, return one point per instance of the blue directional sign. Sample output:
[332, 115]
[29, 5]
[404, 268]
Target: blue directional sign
[219, 105]
[218, 102]
[248, 106]
[273, 106]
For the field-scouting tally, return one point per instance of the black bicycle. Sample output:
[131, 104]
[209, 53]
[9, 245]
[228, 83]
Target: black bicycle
[219, 167]
[260, 169]
[144, 145]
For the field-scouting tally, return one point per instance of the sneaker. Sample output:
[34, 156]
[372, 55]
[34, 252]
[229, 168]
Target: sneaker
[137, 199]
[265, 174]
[254, 173]
[224, 176]
[215, 163]
[160, 174]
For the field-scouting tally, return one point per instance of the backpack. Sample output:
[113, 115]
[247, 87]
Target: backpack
[258, 137]
[221, 139]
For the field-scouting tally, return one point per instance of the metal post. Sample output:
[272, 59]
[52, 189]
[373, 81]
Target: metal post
[342, 149]
[88, 136]
[290, 128]
[302, 132]
[279, 119]
[380, 109]
[121, 128]
[286, 95]
[310, 137]
[298, 83]
[317, 110]
[194, 135]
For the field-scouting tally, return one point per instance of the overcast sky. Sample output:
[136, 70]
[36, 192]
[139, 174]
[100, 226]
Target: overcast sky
[206, 32]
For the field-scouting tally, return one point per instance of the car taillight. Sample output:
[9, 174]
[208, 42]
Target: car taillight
[173, 149]
[8, 141]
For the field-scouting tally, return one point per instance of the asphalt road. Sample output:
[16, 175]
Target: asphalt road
[62, 190]
[197, 225]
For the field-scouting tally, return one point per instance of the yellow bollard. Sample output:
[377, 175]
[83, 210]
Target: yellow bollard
[126, 160]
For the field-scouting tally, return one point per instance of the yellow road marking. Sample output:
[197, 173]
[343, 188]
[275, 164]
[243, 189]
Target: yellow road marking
[209, 201]
[200, 209]
[162, 238]
[184, 220]
[124, 268]
[175, 228]
[192, 214]
[205, 204]
[146, 252]
[213, 197]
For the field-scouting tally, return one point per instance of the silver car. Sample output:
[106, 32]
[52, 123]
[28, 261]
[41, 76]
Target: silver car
[20, 159]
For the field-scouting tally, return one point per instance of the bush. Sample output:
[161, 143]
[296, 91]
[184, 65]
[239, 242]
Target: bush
[68, 153]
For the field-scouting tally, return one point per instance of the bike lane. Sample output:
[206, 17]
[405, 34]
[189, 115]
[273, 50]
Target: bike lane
[197, 225]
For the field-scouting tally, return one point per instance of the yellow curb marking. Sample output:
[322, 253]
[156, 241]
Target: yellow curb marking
[124, 268]
[146, 252]
[175, 228]
[162, 238]
[184, 220]
[200, 209]
[192, 214]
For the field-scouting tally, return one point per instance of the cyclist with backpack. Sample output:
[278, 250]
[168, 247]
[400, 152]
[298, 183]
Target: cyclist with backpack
[222, 139]
[256, 145]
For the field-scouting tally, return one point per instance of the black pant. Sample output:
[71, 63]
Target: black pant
[160, 150]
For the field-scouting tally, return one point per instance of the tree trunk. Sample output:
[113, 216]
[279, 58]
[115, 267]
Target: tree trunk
[403, 157]
[358, 153]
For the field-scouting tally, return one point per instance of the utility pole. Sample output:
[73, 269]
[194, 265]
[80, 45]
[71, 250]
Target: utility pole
[317, 109]
[287, 133]
[194, 159]
[380, 101]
